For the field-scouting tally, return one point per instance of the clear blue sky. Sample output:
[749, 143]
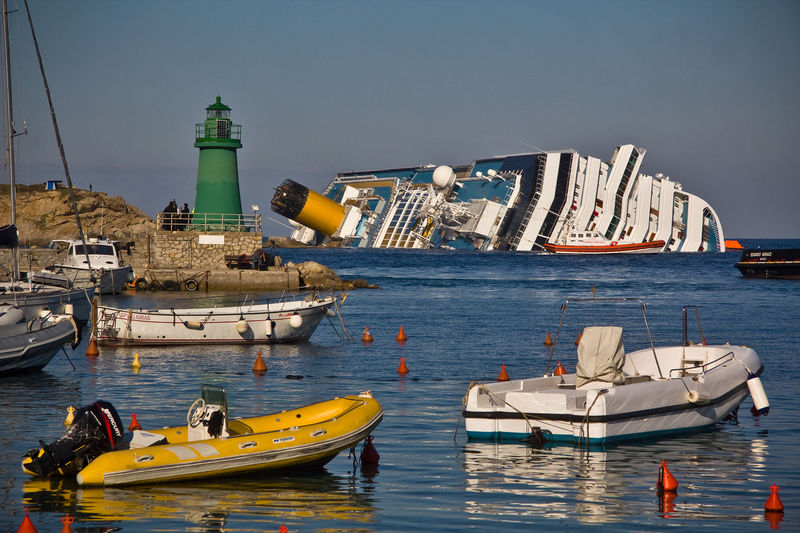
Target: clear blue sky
[709, 87]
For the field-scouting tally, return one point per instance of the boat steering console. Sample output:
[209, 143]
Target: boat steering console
[208, 416]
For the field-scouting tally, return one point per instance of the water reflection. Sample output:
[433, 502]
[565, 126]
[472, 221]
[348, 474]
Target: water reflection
[209, 505]
[601, 486]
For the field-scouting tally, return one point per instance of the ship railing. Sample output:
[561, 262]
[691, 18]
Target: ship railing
[209, 222]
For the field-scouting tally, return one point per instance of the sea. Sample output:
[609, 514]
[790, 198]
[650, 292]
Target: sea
[464, 315]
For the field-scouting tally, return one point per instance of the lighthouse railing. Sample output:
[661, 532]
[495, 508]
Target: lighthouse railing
[219, 130]
[209, 222]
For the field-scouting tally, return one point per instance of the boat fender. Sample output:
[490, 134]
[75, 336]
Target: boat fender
[330, 312]
[171, 285]
[760, 401]
[296, 320]
[191, 285]
[269, 326]
[193, 324]
[139, 284]
[242, 326]
[698, 398]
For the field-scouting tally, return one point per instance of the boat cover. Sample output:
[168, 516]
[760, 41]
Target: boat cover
[600, 356]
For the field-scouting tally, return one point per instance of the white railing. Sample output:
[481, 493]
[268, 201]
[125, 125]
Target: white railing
[209, 222]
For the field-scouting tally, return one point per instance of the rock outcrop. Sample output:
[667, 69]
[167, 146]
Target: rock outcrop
[46, 215]
[316, 276]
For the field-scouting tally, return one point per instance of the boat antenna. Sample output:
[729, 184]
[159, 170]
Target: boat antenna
[58, 139]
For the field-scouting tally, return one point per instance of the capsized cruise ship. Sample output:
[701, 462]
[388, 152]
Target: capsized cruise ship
[514, 202]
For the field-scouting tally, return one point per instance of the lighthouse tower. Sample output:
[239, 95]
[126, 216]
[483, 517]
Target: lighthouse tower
[217, 171]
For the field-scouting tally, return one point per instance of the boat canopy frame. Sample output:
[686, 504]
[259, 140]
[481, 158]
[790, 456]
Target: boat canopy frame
[594, 299]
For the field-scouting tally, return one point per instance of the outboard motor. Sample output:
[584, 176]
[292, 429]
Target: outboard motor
[95, 430]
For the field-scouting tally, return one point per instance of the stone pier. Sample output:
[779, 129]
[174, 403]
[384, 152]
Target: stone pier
[173, 258]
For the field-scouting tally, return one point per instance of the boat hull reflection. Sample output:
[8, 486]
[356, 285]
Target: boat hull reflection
[322, 496]
[604, 486]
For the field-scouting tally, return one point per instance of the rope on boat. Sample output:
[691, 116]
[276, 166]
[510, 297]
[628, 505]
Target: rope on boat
[347, 336]
[68, 359]
[585, 421]
[128, 323]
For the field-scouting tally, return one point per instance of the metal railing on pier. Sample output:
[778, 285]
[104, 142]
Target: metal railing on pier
[209, 222]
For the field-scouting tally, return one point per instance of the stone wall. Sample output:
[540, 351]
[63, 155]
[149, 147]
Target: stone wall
[160, 249]
[195, 249]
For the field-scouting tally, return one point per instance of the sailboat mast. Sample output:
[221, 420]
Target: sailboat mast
[10, 132]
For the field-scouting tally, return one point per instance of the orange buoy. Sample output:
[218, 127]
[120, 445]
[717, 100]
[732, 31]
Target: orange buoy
[283, 528]
[67, 520]
[134, 423]
[559, 370]
[369, 455]
[666, 481]
[27, 524]
[402, 368]
[259, 366]
[503, 375]
[366, 336]
[774, 503]
[401, 336]
[92, 348]
[578, 340]
[548, 341]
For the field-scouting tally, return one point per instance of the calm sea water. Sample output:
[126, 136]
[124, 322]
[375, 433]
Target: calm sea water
[465, 314]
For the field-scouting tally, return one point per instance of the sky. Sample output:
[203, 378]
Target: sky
[708, 87]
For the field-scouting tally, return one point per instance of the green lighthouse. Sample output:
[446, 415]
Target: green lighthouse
[217, 171]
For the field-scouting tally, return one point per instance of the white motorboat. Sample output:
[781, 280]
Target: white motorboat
[27, 346]
[276, 321]
[96, 264]
[616, 396]
[35, 298]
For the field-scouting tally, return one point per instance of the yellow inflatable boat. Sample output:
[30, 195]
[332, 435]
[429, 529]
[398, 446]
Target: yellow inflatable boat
[97, 451]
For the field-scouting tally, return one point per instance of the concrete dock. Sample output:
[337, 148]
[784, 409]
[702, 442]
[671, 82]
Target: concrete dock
[275, 278]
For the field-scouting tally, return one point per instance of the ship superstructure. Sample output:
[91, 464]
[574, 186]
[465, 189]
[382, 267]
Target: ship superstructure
[515, 202]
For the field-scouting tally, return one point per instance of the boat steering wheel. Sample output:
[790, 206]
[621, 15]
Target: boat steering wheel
[195, 414]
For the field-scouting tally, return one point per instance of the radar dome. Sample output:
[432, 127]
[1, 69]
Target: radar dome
[443, 176]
